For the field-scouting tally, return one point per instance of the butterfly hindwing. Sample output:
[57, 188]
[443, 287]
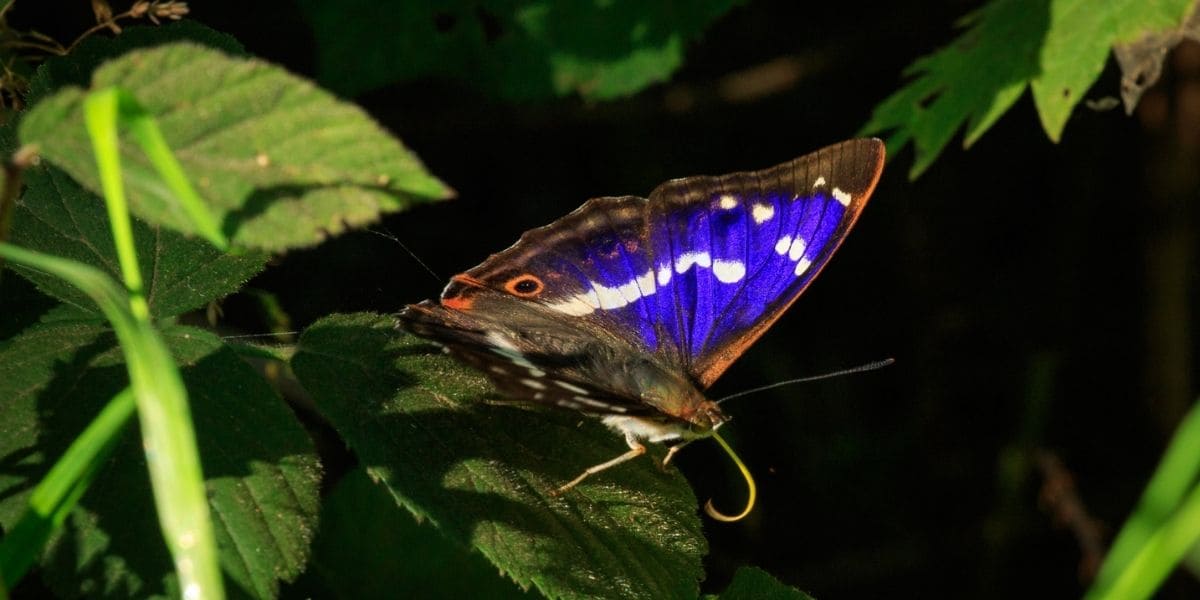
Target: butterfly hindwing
[545, 365]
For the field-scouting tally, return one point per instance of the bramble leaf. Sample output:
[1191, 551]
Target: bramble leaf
[280, 162]
[483, 472]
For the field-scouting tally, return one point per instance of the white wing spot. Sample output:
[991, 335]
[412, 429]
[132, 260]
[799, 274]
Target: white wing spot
[762, 213]
[797, 249]
[646, 283]
[610, 298]
[686, 260]
[533, 383]
[728, 202]
[504, 347]
[841, 196]
[729, 271]
[632, 291]
[577, 305]
[596, 403]
[498, 370]
[802, 266]
[537, 373]
[664, 275]
[819, 182]
[781, 247]
[569, 387]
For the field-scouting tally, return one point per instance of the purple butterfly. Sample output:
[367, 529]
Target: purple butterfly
[627, 309]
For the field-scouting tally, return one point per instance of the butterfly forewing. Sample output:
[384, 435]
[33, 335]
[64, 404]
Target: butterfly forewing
[735, 251]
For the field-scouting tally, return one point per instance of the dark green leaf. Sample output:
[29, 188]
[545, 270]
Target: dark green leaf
[75, 69]
[281, 163]
[20, 304]
[753, 583]
[526, 49]
[368, 547]
[58, 217]
[483, 472]
[259, 464]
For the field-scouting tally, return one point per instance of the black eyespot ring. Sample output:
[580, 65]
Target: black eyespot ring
[524, 285]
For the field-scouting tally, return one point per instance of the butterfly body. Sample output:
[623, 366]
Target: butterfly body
[628, 308]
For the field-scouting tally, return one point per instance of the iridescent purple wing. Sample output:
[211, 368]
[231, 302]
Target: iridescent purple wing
[685, 280]
[733, 252]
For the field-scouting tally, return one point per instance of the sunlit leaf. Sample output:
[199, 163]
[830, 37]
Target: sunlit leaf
[1056, 47]
[280, 162]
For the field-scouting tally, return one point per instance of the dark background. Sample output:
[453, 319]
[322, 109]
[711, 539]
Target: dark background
[1036, 297]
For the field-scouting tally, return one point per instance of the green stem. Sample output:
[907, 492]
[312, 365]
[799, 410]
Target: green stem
[59, 491]
[1162, 551]
[100, 113]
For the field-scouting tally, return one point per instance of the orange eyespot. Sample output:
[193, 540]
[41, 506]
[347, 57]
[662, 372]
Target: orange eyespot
[525, 286]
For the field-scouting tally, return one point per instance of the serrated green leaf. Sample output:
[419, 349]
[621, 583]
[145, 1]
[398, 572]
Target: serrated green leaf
[483, 472]
[260, 466]
[1058, 47]
[520, 50]
[753, 583]
[281, 162]
[57, 216]
[368, 547]
[1077, 45]
[977, 78]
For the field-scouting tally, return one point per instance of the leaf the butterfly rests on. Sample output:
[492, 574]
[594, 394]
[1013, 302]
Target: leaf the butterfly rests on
[628, 308]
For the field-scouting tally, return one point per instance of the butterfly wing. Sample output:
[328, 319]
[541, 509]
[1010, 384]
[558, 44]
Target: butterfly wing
[529, 356]
[733, 252]
[637, 302]
[558, 317]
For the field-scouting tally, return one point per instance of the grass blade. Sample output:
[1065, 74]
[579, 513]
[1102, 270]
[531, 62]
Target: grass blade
[1148, 545]
[167, 434]
[58, 492]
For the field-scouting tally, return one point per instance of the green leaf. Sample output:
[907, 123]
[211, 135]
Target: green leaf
[1077, 45]
[368, 547]
[165, 418]
[753, 583]
[520, 50]
[57, 494]
[1164, 525]
[75, 69]
[57, 216]
[281, 163]
[482, 472]
[260, 466]
[1057, 46]
[20, 304]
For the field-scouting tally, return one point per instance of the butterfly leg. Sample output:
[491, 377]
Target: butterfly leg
[636, 449]
[671, 453]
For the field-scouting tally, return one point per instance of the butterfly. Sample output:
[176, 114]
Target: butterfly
[628, 308]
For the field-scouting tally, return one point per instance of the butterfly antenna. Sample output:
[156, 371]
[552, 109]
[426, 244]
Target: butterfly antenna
[414, 256]
[708, 506]
[879, 364]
